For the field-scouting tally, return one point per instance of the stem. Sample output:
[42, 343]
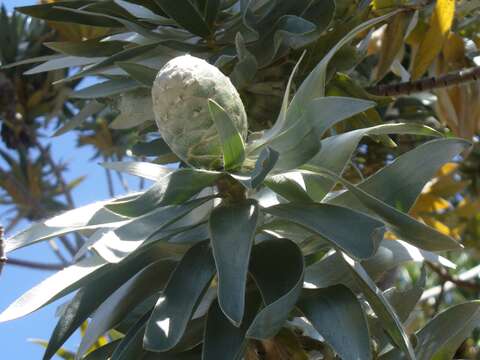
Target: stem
[426, 84]
[111, 190]
[70, 248]
[35, 265]
[463, 281]
[57, 252]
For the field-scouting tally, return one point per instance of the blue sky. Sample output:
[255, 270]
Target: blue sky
[15, 281]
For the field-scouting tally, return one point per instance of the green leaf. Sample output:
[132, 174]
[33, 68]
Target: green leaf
[130, 347]
[31, 61]
[182, 295]
[336, 152]
[305, 239]
[88, 299]
[232, 229]
[296, 145]
[230, 138]
[328, 111]
[391, 253]
[141, 169]
[157, 147]
[91, 108]
[314, 85]
[212, 7]
[140, 12]
[103, 13]
[51, 12]
[141, 73]
[339, 318]
[116, 244]
[106, 88]
[89, 216]
[122, 56]
[335, 224]
[175, 188]
[264, 164]
[87, 48]
[245, 69]
[403, 302]
[402, 224]
[143, 285]
[381, 307]
[103, 352]
[288, 188]
[193, 354]
[277, 267]
[280, 124]
[62, 63]
[444, 334]
[186, 15]
[401, 182]
[222, 339]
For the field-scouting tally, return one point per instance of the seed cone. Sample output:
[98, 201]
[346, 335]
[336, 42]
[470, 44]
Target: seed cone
[180, 96]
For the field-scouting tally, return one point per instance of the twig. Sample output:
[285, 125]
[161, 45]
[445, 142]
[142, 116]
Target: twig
[122, 180]
[439, 298]
[35, 265]
[426, 84]
[444, 275]
[3, 258]
[58, 174]
[111, 190]
[57, 252]
[463, 280]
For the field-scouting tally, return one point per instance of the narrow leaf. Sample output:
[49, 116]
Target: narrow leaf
[264, 164]
[402, 224]
[222, 339]
[334, 308]
[174, 188]
[381, 307]
[141, 169]
[186, 15]
[277, 266]
[314, 85]
[336, 224]
[141, 73]
[106, 88]
[230, 138]
[143, 285]
[232, 229]
[184, 290]
[89, 109]
[88, 216]
[87, 300]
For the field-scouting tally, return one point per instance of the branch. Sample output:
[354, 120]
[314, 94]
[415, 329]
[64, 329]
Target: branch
[426, 84]
[451, 282]
[35, 265]
[111, 190]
